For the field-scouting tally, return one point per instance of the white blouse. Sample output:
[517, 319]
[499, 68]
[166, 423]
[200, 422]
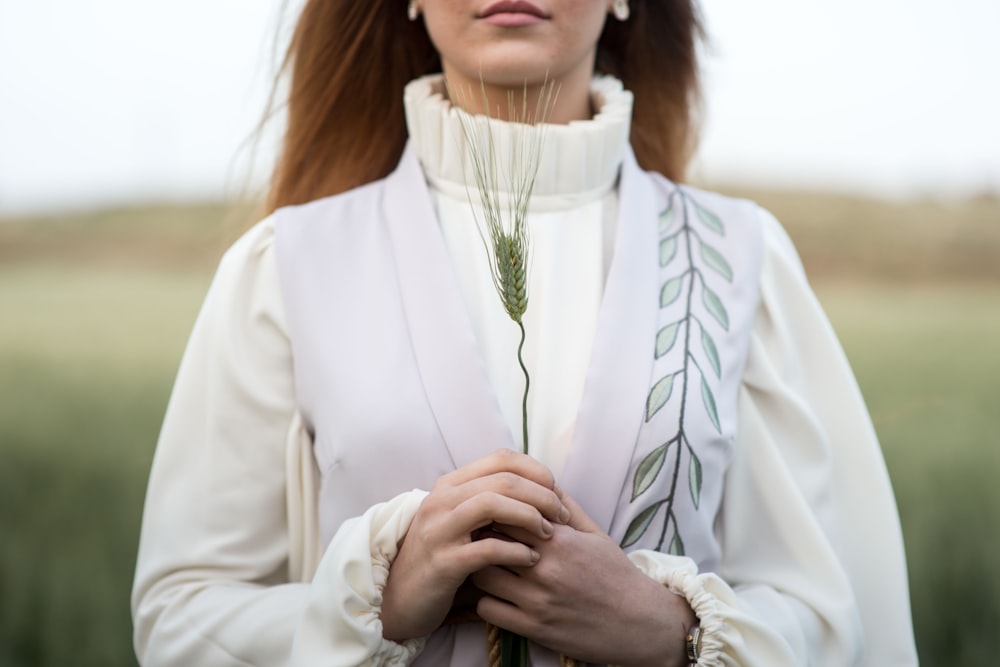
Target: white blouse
[571, 226]
[247, 590]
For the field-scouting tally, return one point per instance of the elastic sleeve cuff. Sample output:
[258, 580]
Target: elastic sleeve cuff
[680, 575]
[341, 624]
[390, 653]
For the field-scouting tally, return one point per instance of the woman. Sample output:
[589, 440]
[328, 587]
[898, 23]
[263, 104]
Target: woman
[336, 481]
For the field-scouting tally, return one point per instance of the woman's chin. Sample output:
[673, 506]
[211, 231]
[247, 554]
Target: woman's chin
[508, 72]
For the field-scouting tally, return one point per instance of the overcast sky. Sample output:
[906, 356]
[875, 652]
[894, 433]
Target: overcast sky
[107, 101]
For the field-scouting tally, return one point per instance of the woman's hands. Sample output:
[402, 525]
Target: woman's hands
[584, 598]
[443, 545]
[546, 570]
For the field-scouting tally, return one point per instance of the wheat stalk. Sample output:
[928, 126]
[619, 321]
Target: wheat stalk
[507, 247]
[506, 232]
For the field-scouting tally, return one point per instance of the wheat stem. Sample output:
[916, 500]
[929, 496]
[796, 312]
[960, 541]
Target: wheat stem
[524, 401]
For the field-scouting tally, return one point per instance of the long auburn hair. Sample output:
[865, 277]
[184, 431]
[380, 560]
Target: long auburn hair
[348, 62]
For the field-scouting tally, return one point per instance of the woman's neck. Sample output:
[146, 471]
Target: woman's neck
[556, 102]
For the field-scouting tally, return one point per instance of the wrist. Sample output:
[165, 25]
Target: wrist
[671, 621]
[680, 575]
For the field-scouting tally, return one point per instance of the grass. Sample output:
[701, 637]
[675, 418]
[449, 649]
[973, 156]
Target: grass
[71, 487]
[95, 309]
[87, 355]
[914, 241]
[928, 362]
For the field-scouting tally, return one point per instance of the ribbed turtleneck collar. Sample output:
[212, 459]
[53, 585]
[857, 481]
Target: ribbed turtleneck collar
[579, 161]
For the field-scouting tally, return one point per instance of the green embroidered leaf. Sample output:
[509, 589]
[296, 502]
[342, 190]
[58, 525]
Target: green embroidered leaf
[709, 400]
[639, 525]
[711, 352]
[668, 248]
[671, 290]
[648, 469]
[710, 219]
[715, 261]
[676, 544]
[714, 305]
[694, 479]
[667, 218]
[665, 338]
[659, 395]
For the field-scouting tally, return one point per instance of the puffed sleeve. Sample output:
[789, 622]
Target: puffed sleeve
[214, 579]
[812, 570]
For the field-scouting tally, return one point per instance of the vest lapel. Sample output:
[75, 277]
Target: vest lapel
[451, 366]
[611, 411]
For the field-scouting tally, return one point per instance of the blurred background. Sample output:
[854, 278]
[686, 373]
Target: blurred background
[871, 128]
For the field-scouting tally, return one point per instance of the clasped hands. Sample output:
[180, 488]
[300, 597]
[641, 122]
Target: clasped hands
[542, 568]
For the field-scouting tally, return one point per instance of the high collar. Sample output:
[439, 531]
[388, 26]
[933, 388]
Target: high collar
[580, 161]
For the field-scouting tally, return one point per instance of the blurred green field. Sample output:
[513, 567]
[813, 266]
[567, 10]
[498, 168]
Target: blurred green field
[928, 362]
[95, 309]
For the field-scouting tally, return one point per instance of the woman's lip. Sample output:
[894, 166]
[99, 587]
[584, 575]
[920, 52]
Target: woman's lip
[518, 11]
[512, 19]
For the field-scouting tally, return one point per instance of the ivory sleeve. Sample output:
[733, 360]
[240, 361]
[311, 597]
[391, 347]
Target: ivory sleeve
[214, 583]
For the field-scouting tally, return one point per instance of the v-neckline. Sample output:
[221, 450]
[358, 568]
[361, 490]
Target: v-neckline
[465, 404]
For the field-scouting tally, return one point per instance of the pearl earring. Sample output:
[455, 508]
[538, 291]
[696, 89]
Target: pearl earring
[413, 10]
[620, 10]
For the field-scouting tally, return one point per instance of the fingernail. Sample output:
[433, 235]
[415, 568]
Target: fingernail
[535, 556]
[547, 528]
[558, 490]
[563, 514]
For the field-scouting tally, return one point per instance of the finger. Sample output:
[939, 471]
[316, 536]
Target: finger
[503, 584]
[580, 519]
[484, 509]
[513, 486]
[502, 460]
[504, 615]
[489, 552]
[515, 533]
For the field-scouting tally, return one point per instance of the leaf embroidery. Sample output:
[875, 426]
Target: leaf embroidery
[639, 525]
[665, 338]
[649, 468]
[676, 545]
[659, 395]
[668, 249]
[694, 478]
[714, 306]
[710, 219]
[714, 260]
[670, 291]
[711, 352]
[667, 218]
[675, 243]
[709, 399]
